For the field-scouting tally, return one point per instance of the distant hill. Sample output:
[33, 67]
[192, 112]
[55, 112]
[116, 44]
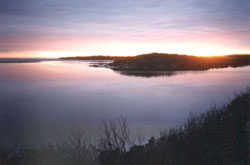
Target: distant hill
[167, 62]
[24, 60]
[175, 62]
[96, 57]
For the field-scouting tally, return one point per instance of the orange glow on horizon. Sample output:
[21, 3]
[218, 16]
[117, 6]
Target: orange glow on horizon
[197, 43]
[130, 49]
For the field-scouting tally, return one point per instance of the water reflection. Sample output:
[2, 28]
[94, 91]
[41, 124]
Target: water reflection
[43, 101]
[148, 74]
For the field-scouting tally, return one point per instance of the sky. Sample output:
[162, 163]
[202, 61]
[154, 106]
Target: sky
[58, 28]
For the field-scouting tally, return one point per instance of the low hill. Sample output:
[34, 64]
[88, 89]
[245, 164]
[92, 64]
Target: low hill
[174, 62]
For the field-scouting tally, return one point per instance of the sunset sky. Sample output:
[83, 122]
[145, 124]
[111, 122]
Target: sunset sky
[56, 28]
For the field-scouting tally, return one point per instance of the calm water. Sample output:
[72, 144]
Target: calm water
[43, 101]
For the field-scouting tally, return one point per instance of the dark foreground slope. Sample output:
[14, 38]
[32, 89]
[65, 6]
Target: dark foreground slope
[218, 137]
[173, 62]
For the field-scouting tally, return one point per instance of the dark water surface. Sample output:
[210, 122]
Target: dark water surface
[40, 102]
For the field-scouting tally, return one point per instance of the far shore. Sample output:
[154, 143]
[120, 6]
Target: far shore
[150, 62]
[166, 62]
[24, 60]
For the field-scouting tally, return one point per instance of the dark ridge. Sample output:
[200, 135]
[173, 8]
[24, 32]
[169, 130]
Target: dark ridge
[175, 62]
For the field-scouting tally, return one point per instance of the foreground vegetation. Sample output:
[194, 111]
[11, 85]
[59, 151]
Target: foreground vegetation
[218, 137]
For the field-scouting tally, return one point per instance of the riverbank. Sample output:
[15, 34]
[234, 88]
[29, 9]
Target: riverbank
[219, 136]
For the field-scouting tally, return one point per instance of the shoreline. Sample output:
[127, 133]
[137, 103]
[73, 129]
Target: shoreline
[165, 62]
